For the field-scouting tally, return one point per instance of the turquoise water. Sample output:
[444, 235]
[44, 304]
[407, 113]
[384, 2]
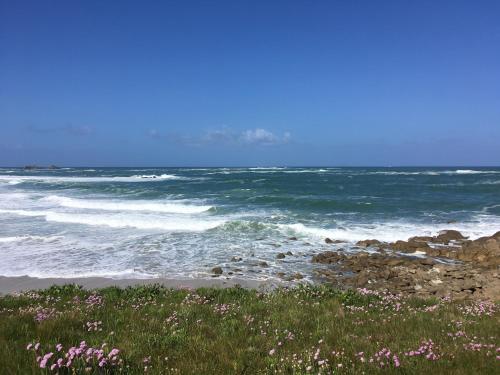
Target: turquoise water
[181, 222]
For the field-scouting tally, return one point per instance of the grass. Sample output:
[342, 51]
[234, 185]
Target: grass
[239, 331]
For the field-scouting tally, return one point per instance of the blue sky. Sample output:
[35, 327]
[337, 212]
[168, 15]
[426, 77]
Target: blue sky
[175, 83]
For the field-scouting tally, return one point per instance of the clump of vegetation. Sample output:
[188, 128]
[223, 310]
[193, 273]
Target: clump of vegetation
[308, 329]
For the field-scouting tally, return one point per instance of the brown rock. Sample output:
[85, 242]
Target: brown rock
[395, 262]
[484, 251]
[409, 246]
[446, 236]
[217, 270]
[329, 240]
[421, 239]
[361, 280]
[476, 277]
[367, 243]
[326, 257]
[427, 261]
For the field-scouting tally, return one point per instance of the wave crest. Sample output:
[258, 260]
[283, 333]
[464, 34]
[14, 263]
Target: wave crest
[124, 220]
[133, 205]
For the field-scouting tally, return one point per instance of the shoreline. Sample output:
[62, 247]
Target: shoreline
[17, 284]
[448, 264]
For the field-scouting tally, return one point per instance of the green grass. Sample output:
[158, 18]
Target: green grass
[240, 331]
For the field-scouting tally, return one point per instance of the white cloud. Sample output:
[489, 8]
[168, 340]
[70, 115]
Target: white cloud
[259, 136]
[154, 133]
[223, 135]
[226, 135]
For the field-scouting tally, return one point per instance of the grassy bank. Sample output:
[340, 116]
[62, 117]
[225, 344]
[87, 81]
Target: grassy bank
[225, 331]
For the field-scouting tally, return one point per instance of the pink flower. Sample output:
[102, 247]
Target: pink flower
[29, 346]
[48, 355]
[272, 351]
[396, 360]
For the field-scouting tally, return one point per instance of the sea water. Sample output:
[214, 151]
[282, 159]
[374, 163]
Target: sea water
[181, 222]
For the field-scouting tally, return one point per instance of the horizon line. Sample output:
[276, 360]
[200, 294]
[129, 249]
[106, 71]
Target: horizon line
[252, 166]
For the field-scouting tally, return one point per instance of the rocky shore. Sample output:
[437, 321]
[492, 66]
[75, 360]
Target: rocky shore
[448, 264]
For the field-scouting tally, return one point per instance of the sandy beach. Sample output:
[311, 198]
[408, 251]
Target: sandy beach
[10, 285]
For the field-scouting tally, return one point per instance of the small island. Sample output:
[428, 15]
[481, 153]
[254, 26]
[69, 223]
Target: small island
[30, 167]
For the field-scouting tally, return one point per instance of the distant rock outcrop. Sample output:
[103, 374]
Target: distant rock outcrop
[33, 166]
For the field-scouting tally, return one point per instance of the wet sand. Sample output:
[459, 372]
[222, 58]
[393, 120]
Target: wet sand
[10, 285]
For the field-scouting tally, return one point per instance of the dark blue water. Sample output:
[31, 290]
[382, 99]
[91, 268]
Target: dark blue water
[180, 222]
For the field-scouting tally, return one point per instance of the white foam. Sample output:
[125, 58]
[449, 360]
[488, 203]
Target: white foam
[130, 273]
[14, 196]
[47, 239]
[260, 170]
[488, 182]
[14, 180]
[307, 171]
[11, 239]
[485, 225]
[418, 254]
[23, 212]
[486, 209]
[133, 205]
[395, 173]
[470, 171]
[138, 221]
[159, 177]
[432, 173]
[265, 168]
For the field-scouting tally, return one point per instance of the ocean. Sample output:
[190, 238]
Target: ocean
[182, 222]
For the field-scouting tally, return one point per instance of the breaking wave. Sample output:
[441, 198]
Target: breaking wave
[393, 231]
[122, 205]
[137, 221]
